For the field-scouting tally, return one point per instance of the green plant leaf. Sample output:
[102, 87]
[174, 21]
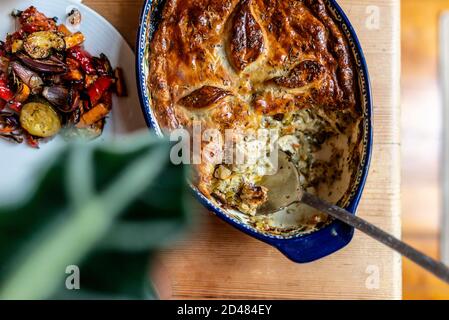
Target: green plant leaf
[100, 207]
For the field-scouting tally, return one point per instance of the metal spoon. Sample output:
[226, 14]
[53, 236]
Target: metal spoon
[285, 190]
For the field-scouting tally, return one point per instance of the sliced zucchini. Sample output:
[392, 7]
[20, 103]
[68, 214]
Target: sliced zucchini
[40, 119]
[39, 44]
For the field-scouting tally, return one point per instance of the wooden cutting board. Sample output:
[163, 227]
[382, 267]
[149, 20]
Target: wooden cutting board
[217, 261]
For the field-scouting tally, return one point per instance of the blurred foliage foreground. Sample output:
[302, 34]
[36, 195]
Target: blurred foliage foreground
[100, 207]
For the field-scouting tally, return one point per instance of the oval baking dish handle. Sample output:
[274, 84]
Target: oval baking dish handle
[316, 245]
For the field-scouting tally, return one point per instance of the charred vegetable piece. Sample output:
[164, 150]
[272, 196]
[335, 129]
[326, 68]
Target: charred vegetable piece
[120, 85]
[40, 120]
[72, 63]
[15, 106]
[74, 101]
[97, 90]
[33, 20]
[74, 75]
[30, 78]
[39, 45]
[4, 65]
[84, 58]
[94, 115]
[10, 127]
[32, 141]
[23, 93]
[107, 99]
[6, 93]
[17, 45]
[56, 95]
[74, 40]
[53, 65]
[11, 38]
[63, 29]
[103, 66]
[66, 100]
[90, 80]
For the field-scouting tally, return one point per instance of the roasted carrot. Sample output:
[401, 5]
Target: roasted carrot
[74, 40]
[63, 29]
[95, 114]
[120, 85]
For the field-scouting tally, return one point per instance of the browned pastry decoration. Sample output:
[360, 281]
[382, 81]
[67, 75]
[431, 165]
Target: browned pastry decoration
[253, 64]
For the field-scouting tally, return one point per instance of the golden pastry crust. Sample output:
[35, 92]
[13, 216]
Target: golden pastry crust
[228, 63]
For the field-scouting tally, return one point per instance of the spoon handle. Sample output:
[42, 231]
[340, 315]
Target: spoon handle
[436, 267]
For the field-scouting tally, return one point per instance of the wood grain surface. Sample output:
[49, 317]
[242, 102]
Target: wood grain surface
[217, 261]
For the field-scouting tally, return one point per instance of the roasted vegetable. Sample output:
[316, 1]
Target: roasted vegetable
[63, 30]
[15, 106]
[97, 90]
[4, 64]
[53, 65]
[39, 45]
[11, 38]
[6, 93]
[40, 120]
[32, 20]
[32, 141]
[17, 45]
[48, 81]
[84, 58]
[103, 66]
[74, 102]
[90, 80]
[10, 127]
[22, 93]
[30, 78]
[56, 95]
[74, 75]
[120, 85]
[74, 40]
[94, 115]
[106, 99]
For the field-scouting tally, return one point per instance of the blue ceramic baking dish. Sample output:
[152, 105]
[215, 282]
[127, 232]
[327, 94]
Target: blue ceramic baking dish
[299, 248]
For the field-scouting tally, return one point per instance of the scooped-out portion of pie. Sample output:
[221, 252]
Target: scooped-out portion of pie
[239, 66]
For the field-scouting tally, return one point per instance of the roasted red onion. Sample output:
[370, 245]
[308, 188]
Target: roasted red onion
[64, 99]
[30, 78]
[56, 95]
[51, 65]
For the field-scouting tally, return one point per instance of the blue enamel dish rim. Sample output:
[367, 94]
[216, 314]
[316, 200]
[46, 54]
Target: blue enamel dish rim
[301, 248]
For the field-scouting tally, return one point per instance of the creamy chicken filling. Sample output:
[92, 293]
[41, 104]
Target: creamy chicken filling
[310, 137]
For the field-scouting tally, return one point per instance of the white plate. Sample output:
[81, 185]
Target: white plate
[19, 162]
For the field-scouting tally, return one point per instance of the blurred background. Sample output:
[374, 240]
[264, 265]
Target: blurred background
[422, 141]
